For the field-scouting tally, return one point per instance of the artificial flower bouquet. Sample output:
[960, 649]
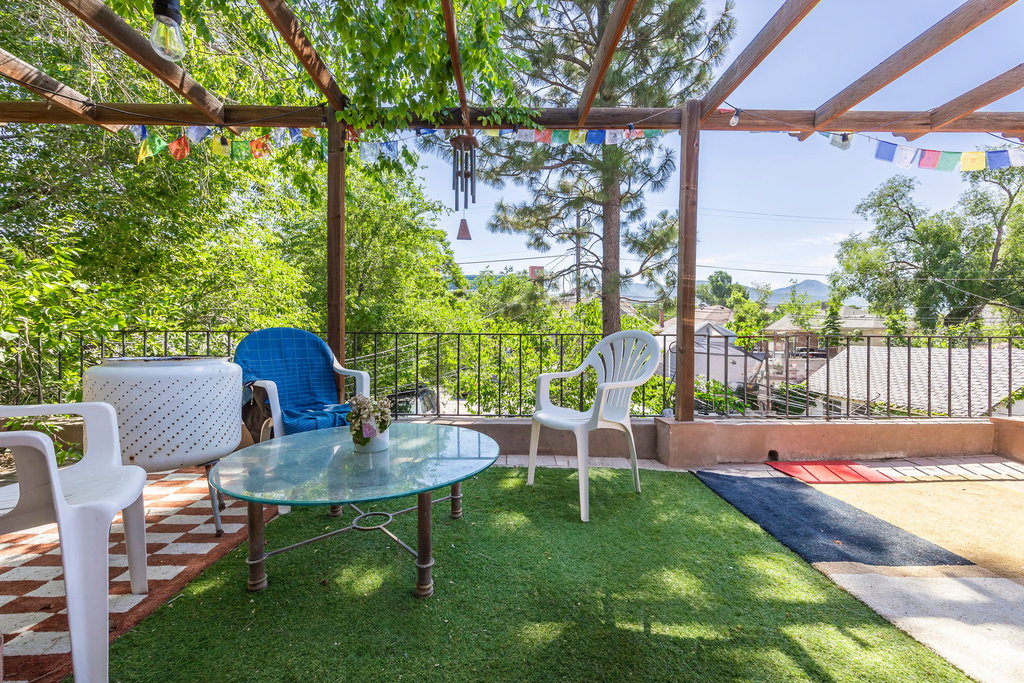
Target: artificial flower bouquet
[369, 418]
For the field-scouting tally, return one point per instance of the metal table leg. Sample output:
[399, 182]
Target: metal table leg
[457, 500]
[424, 582]
[257, 552]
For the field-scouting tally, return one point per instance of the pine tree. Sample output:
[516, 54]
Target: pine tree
[666, 56]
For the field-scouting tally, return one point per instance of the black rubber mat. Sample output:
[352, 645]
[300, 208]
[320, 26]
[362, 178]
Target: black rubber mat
[820, 528]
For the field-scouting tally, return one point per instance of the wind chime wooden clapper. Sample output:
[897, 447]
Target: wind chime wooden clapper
[464, 176]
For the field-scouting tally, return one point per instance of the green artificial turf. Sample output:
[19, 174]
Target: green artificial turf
[670, 585]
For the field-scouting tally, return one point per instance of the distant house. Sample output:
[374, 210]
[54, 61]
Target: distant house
[852, 321]
[716, 356]
[954, 382]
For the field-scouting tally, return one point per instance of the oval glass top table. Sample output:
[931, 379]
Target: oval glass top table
[320, 468]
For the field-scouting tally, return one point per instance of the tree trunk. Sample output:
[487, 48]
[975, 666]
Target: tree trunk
[611, 309]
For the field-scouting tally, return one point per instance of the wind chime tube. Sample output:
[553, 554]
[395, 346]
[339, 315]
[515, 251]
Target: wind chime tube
[472, 171]
[455, 177]
[465, 180]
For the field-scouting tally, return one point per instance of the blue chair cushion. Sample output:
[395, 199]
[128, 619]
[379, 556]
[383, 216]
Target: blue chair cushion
[302, 366]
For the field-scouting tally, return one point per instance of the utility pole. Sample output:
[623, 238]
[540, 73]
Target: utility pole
[577, 257]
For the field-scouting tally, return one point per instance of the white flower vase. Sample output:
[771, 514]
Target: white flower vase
[376, 443]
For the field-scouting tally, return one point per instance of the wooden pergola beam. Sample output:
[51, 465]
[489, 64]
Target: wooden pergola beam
[448, 11]
[999, 87]
[759, 120]
[613, 31]
[287, 24]
[948, 30]
[778, 27]
[686, 259]
[32, 79]
[111, 26]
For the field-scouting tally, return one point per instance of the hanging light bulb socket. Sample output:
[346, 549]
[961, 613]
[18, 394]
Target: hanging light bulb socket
[165, 34]
[735, 120]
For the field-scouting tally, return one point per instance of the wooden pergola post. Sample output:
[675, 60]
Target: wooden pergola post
[686, 280]
[336, 238]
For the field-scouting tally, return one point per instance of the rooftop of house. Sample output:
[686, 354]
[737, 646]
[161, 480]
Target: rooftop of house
[955, 382]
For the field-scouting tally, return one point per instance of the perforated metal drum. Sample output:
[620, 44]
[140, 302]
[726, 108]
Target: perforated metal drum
[171, 411]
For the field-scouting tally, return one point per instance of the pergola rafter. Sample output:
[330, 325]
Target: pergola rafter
[610, 38]
[948, 30]
[111, 26]
[778, 27]
[32, 79]
[287, 24]
[448, 11]
[958, 115]
[995, 89]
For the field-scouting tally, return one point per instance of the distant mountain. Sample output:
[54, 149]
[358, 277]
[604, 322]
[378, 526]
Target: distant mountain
[813, 289]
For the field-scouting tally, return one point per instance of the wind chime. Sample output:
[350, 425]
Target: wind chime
[464, 176]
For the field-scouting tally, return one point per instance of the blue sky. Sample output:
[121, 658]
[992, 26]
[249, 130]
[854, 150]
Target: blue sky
[768, 202]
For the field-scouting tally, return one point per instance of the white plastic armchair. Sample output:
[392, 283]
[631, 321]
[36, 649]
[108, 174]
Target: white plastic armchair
[82, 499]
[362, 381]
[622, 361]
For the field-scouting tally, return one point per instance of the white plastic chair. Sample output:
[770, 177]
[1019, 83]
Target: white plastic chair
[83, 500]
[623, 361]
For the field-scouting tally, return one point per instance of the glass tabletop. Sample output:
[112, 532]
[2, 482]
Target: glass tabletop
[321, 468]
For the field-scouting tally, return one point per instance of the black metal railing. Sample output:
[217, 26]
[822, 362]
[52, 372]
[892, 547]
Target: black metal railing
[456, 373]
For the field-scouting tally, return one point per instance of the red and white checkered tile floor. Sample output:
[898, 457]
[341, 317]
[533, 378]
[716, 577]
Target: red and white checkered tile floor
[180, 542]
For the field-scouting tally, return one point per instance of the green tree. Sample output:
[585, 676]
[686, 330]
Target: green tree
[667, 55]
[749, 318]
[831, 324]
[946, 266]
[800, 308]
[719, 290]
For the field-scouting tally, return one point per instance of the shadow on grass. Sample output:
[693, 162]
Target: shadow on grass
[672, 584]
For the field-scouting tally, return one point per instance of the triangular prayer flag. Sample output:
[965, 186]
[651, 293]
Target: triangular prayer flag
[144, 153]
[999, 158]
[595, 137]
[972, 161]
[904, 157]
[885, 150]
[613, 137]
[197, 134]
[295, 134]
[524, 135]
[929, 158]
[280, 137]
[221, 146]
[179, 149]
[369, 151]
[653, 133]
[828, 135]
[259, 147]
[1016, 157]
[542, 136]
[306, 133]
[240, 150]
[491, 132]
[559, 137]
[138, 132]
[948, 161]
[577, 137]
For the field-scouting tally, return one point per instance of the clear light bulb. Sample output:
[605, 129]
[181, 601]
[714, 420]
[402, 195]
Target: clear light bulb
[166, 38]
[735, 120]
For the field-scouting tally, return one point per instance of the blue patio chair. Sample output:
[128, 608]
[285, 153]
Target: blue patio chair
[296, 368]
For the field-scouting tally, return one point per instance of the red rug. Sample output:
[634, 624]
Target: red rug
[833, 472]
[180, 541]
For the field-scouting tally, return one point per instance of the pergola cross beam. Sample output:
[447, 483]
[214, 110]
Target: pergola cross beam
[29, 77]
[287, 24]
[107, 23]
[948, 30]
[778, 27]
[610, 38]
